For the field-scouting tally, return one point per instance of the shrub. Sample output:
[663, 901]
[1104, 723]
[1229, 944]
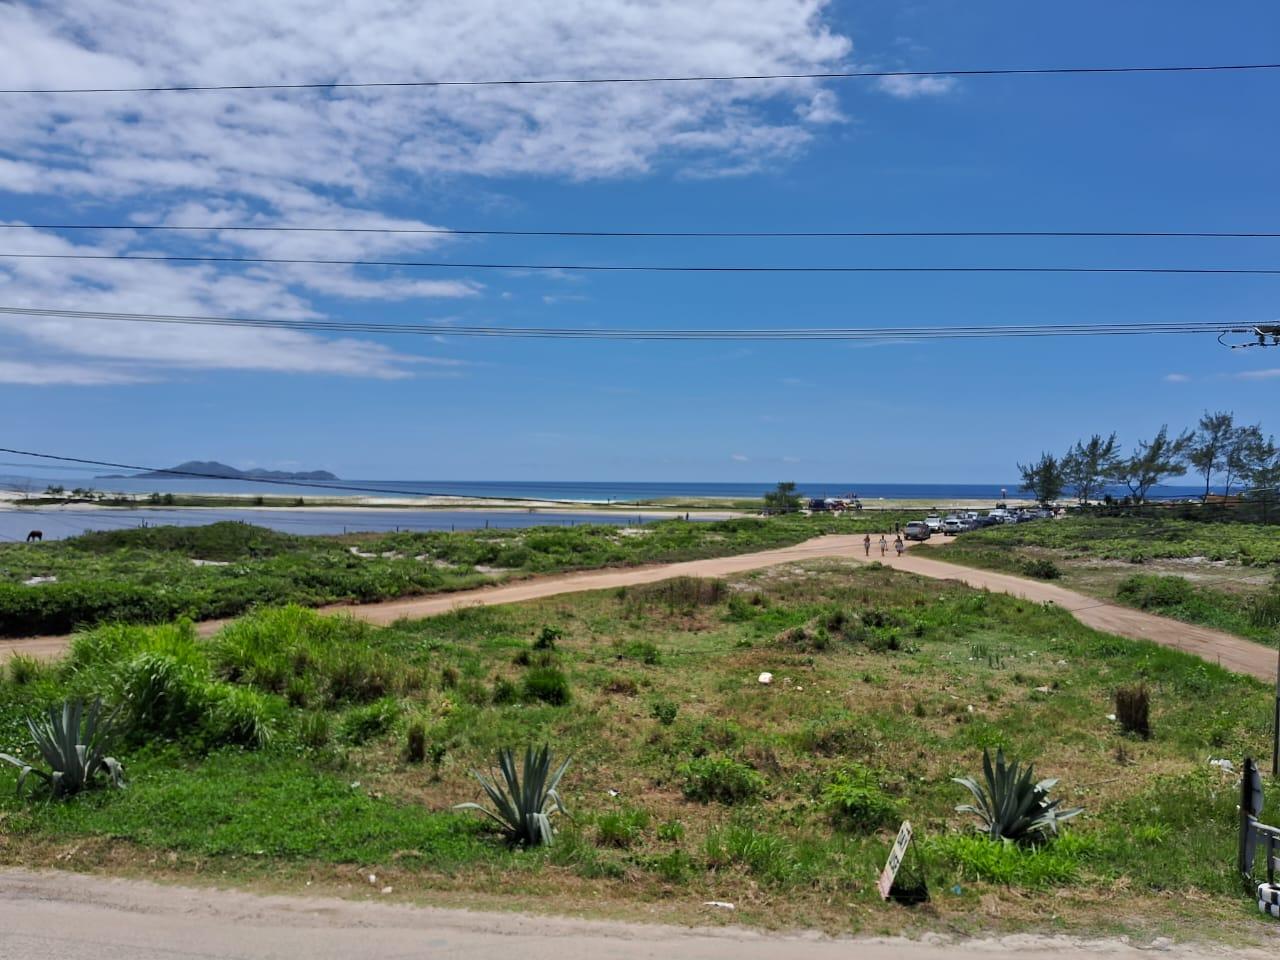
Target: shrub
[720, 779]
[1133, 710]
[548, 685]
[415, 749]
[671, 831]
[678, 593]
[664, 711]
[547, 638]
[363, 723]
[523, 804]
[641, 650]
[1010, 805]
[673, 866]
[856, 803]
[297, 691]
[621, 828]
[1041, 568]
[449, 677]
[73, 741]
[1155, 592]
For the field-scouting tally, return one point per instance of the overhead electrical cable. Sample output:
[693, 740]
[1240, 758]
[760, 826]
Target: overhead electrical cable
[644, 268]
[972, 331]
[703, 78]
[317, 484]
[663, 234]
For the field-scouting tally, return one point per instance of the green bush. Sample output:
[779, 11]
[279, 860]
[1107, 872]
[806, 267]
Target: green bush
[24, 669]
[641, 650]
[163, 695]
[720, 779]
[664, 711]
[1041, 568]
[547, 638]
[363, 723]
[1155, 592]
[547, 684]
[856, 803]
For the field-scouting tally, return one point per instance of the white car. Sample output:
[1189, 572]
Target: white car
[934, 523]
[953, 525]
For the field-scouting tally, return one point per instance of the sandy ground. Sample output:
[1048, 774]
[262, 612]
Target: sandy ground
[71, 917]
[1234, 653]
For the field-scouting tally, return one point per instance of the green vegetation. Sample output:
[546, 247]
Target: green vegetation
[74, 743]
[523, 803]
[817, 767]
[1011, 805]
[1204, 572]
[158, 574]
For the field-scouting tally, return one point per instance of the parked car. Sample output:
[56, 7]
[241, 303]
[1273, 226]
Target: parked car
[817, 505]
[917, 530]
[952, 525]
[934, 523]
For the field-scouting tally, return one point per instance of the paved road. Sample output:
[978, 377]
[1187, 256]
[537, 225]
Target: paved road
[1234, 653]
[69, 917]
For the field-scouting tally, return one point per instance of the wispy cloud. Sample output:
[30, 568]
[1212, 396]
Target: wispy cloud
[1271, 374]
[911, 88]
[1176, 378]
[739, 458]
[36, 374]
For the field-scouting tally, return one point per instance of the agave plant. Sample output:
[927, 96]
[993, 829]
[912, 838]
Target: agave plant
[1010, 804]
[73, 741]
[523, 803]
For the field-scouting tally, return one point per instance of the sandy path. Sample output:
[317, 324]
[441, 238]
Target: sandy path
[1234, 653]
[70, 917]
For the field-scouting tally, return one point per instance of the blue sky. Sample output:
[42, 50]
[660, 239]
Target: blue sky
[1165, 152]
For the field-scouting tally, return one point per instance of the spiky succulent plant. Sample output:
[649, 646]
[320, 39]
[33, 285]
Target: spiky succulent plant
[1011, 804]
[73, 740]
[523, 802]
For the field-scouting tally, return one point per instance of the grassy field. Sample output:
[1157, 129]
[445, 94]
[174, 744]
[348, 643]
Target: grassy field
[156, 574]
[1223, 575]
[273, 755]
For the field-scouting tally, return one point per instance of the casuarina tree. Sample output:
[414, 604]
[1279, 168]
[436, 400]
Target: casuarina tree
[782, 499]
[1043, 479]
[1089, 466]
[1160, 458]
[1207, 451]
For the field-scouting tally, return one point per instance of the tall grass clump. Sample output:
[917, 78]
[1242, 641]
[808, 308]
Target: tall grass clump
[548, 685]
[855, 801]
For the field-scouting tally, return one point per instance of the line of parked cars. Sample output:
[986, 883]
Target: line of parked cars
[955, 523]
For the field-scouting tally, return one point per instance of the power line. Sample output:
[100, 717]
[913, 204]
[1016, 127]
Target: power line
[320, 485]
[643, 268]
[587, 81]
[667, 234]
[973, 331]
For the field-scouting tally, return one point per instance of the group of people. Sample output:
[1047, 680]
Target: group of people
[898, 545]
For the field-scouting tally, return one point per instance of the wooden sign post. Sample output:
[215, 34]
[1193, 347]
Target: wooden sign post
[899, 851]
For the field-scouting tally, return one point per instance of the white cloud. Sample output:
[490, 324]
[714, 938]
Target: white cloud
[739, 458]
[1259, 374]
[70, 374]
[352, 157]
[1176, 378]
[909, 88]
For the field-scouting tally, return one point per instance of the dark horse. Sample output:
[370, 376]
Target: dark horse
[35, 535]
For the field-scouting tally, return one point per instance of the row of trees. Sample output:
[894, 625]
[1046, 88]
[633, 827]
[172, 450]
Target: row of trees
[1218, 448]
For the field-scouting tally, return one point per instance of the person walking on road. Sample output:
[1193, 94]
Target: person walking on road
[884, 545]
[898, 545]
[866, 544]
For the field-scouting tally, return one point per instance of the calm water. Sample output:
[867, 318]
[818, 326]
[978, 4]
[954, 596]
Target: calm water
[57, 523]
[569, 490]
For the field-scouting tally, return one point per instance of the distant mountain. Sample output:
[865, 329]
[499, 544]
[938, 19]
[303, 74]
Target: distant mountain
[212, 468]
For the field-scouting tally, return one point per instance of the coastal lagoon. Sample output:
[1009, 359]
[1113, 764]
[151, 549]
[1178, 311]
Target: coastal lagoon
[58, 523]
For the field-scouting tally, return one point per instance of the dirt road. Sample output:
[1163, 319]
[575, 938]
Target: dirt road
[1234, 653]
[69, 917]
